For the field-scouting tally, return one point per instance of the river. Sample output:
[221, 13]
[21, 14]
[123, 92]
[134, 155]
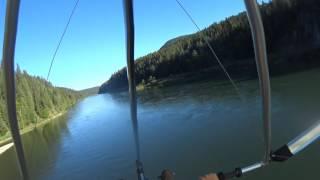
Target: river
[191, 129]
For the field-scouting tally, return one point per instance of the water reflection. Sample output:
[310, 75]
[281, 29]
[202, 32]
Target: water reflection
[192, 129]
[41, 147]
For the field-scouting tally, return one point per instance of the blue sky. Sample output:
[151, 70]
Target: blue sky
[93, 47]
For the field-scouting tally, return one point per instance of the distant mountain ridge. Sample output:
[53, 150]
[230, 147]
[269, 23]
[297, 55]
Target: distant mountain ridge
[90, 91]
[174, 40]
[292, 29]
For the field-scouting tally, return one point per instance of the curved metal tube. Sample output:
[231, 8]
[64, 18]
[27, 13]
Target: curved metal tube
[130, 69]
[300, 142]
[304, 139]
[297, 144]
[252, 167]
[129, 23]
[263, 70]
[11, 24]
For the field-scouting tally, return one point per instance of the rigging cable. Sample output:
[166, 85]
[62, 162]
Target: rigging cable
[9, 43]
[212, 50]
[61, 37]
[59, 43]
[262, 67]
[129, 25]
[260, 51]
[53, 58]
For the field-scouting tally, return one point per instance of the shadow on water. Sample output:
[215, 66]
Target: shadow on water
[41, 146]
[171, 117]
[201, 127]
[192, 129]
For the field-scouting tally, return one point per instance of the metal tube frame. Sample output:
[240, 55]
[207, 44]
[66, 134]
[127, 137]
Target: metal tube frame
[11, 25]
[304, 139]
[261, 59]
[129, 24]
[252, 167]
[260, 52]
[301, 141]
[131, 69]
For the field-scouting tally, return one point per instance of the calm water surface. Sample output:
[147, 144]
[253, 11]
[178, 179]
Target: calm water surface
[192, 129]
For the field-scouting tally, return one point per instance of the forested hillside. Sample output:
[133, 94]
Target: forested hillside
[37, 100]
[292, 29]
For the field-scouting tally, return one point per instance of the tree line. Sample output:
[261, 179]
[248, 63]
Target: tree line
[292, 29]
[36, 100]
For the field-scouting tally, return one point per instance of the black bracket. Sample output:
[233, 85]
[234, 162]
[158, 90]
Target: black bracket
[282, 154]
[236, 173]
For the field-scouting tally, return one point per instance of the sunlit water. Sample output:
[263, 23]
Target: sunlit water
[191, 129]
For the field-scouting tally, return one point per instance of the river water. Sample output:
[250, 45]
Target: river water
[191, 129]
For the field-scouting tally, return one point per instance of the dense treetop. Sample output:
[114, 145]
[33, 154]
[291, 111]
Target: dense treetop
[292, 29]
[36, 99]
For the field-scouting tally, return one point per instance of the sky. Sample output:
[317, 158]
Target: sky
[94, 45]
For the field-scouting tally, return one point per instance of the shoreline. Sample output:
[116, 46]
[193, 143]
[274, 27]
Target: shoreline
[192, 77]
[207, 74]
[30, 128]
[4, 148]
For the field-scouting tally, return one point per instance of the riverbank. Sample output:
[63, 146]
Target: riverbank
[6, 139]
[5, 148]
[185, 78]
[239, 72]
[196, 115]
